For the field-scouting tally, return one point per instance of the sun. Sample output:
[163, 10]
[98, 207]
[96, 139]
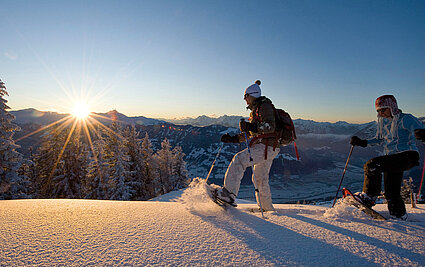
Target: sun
[81, 111]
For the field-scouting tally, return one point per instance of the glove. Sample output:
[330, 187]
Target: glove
[356, 141]
[420, 134]
[227, 138]
[247, 126]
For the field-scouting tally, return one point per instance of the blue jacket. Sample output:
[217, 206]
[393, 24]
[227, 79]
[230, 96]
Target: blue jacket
[403, 136]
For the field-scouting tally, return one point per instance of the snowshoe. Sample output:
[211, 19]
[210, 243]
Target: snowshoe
[223, 197]
[214, 192]
[353, 200]
[397, 210]
[400, 218]
[365, 199]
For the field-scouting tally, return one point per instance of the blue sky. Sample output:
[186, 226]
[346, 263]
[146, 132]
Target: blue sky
[319, 60]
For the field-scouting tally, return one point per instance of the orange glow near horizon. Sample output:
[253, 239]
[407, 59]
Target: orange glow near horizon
[81, 120]
[81, 111]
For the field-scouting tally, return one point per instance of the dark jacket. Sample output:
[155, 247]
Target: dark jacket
[263, 116]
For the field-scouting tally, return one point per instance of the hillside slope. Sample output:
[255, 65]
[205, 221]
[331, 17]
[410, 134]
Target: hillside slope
[191, 230]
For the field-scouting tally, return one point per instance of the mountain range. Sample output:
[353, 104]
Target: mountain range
[323, 148]
[34, 116]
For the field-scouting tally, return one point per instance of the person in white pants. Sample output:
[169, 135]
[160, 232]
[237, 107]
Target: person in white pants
[241, 161]
[261, 131]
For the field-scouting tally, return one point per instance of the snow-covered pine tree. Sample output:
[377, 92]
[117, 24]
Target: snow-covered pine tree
[118, 167]
[12, 185]
[406, 190]
[164, 158]
[28, 170]
[95, 186]
[180, 174]
[137, 164]
[44, 163]
[60, 166]
[72, 168]
[149, 169]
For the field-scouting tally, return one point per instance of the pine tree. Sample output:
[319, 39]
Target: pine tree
[180, 174]
[72, 169]
[61, 164]
[164, 158]
[117, 160]
[44, 163]
[95, 186]
[406, 190]
[12, 185]
[29, 171]
[136, 162]
[149, 169]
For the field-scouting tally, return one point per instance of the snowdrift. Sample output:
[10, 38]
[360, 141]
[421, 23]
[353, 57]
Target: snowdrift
[189, 229]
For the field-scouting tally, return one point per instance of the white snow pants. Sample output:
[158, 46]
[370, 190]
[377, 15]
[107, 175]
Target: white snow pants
[241, 161]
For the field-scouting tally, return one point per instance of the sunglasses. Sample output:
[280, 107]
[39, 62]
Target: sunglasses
[245, 96]
[381, 110]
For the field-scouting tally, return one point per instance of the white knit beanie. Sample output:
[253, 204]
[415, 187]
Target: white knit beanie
[254, 89]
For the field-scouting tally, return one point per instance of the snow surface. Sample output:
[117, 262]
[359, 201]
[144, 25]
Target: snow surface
[185, 228]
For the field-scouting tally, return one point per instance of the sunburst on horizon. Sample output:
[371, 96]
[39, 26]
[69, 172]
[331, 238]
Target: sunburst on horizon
[79, 101]
[79, 119]
[81, 111]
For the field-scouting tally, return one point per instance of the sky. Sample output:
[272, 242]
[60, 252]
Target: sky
[318, 60]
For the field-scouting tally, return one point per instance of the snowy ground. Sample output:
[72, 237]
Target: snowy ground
[188, 229]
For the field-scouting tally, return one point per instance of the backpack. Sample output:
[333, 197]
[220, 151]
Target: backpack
[284, 127]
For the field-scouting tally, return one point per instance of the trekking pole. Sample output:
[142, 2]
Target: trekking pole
[212, 166]
[422, 180]
[257, 192]
[342, 178]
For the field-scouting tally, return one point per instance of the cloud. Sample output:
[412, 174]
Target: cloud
[11, 55]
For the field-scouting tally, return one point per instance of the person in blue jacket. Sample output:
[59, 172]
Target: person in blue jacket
[396, 133]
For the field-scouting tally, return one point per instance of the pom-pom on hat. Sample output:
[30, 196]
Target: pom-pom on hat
[253, 90]
[387, 101]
